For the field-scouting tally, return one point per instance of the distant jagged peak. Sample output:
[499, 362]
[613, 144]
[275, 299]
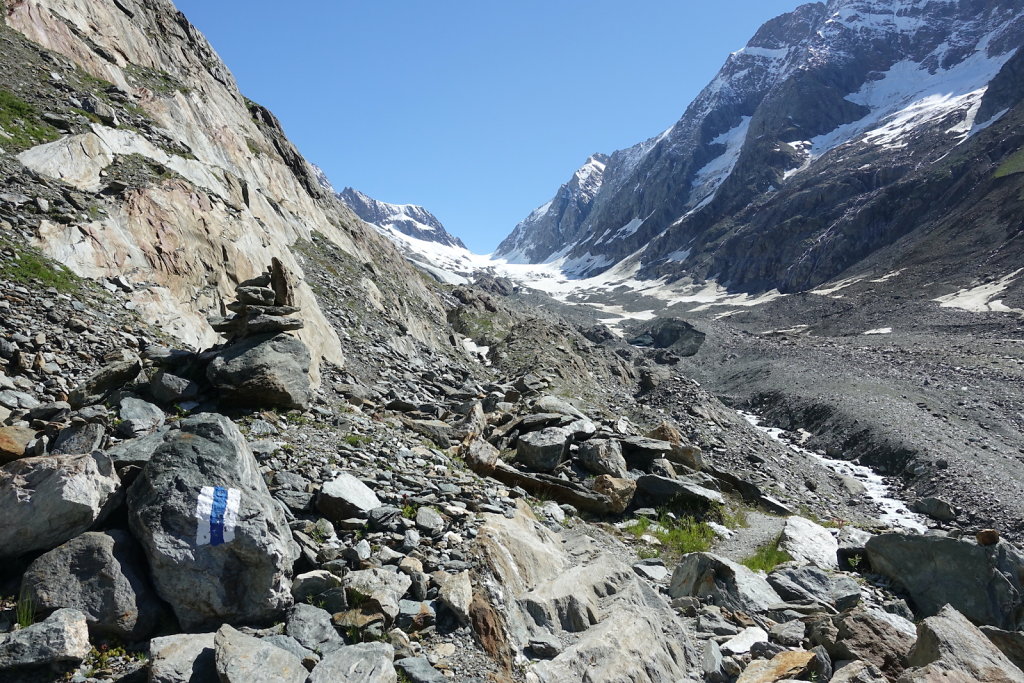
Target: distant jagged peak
[408, 219]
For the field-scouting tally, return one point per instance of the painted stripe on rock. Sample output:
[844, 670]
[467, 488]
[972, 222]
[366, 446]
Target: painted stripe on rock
[216, 515]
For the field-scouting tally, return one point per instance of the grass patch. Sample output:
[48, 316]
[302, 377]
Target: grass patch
[1015, 164]
[678, 536]
[767, 557]
[31, 267]
[25, 611]
[20, 121]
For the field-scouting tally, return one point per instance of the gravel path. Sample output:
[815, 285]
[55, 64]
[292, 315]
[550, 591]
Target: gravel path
[761, 529]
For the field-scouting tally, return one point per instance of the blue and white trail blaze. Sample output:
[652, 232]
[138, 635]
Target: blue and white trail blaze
[217, 514]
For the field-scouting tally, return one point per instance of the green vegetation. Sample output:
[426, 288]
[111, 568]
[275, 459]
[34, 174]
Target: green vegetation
[808, 513]
[1015, 164]
[20, 122]
[647, 552]
[732, 516]
[357, 440]
[160, 82]
[30, 266]
[678, 536]
[102, 657]
[254, 147]
[409, 511]
[25, 611]
[767, 557]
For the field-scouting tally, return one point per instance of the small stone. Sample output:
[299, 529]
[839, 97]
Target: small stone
[987, 537]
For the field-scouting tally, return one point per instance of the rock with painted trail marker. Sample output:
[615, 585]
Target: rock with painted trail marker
[218, 545]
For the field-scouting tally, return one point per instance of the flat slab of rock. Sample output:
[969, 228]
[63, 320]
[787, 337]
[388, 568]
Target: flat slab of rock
[812, 583]
[245, 659]
[45, 501]
[665, 489]
[182, 658]
[104, 576]
[365, 662]
[744, 640]
[13, 442]
[948, 646]
[63, 637]
[984, 583]
[345, 496]
[783, 666]
[218, 545]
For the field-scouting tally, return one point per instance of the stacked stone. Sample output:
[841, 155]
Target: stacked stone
[263, 305]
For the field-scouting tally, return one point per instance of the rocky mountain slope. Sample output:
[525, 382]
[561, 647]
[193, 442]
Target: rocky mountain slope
[368, 475]
[843, 131]
[408, 219]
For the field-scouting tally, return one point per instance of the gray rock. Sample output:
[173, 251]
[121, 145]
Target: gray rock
[711, 662]
[984, 583]
[603, 456]
[311, 627]
[545, 646]
[544, 450]
[809, 543]
[308, 658]
[378, 588]
[138, 417]
[345, 496]
[365, 662]
[137, 452]
[948, 645]
[789, 633]
[639, 451]
[103, 575]
[313, 583]
[876, 637]
[78, 438]
[168, 388]
[859, 671]
[744, 640]
[936, 508]
[553, 404]
[665, 490]
[263, 371]
[730, 585]
[1010, 643]
[415, 615]
[62, 637]
[418, 670]
[231, 565]
[812, 583]
[255, 296]
[182, 658]
[429, 521]
[456, 594]
[100, 384]
[245, 659]
[48, 500]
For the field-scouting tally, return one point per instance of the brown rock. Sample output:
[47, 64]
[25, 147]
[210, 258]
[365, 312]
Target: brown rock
[13, 443]
[865, 635]
[987, 537]
[619, 491]
[685, 454]
[789, 664]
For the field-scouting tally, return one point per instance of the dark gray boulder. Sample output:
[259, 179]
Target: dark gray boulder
[104, 576]
[82, 437]
[984, 583]
[949, 647]
[218, 545]
[812, 583]
[603, 456]
[48, 500]
[265, 370]
[138, 417]
[311, 627]
[728, 584]
[106, 380]
[543, 451]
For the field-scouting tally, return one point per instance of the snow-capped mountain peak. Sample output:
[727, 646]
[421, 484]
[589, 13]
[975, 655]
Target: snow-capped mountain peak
[408, 219]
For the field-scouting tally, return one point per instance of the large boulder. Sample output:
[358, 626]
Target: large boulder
[728, 584]
[48, 500]
[877, 637]
[983, 583]
[265, 370]
[106, 380]
[543, 451]
[603, 456]
[218, 545]
[62, 638]
[102, 575]
[809, 543]
[668, 490]
[344, 496]
[949, 647]
[812, 583]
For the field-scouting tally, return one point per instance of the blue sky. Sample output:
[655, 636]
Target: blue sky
[477, 110]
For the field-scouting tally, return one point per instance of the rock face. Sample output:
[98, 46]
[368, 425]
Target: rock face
[263, 370]
[949, 645]
[61, 638]
[408, 219]
[808, 542]
[103, 575]
[623, 630]
[217, 543]
[985, 584]
[51, 499]
[728, 584]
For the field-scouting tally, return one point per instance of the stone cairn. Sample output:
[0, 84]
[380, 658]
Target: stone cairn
[263, 305]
